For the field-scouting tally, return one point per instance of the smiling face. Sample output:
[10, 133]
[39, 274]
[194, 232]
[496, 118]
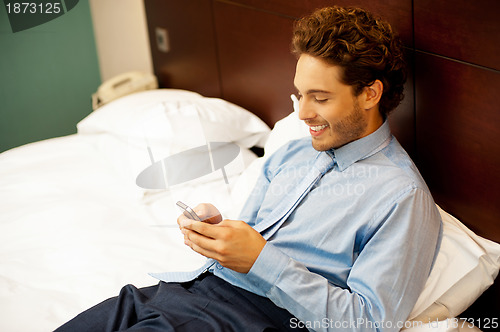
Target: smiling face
[334, 115]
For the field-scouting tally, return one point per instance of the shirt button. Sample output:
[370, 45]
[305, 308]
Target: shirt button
[220, 267]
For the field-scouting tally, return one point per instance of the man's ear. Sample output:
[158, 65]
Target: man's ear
[372, 94]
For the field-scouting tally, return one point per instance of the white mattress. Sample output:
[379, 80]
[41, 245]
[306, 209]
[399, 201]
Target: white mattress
[74, 229]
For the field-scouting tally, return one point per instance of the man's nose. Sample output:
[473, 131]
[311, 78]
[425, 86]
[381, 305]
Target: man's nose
[306, 111]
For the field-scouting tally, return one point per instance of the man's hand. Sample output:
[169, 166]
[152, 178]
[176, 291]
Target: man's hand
[208, 213]
[233, 243]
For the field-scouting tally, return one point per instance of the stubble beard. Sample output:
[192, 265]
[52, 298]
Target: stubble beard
[349, 129]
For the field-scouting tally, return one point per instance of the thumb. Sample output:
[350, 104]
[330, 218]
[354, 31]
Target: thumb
[208, 213]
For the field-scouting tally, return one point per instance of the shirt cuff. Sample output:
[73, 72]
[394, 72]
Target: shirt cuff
[267, 268]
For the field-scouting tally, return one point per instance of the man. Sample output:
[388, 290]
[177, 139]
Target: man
[340, 231]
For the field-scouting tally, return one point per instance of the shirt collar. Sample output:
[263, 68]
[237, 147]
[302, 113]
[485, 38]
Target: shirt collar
[361, 148]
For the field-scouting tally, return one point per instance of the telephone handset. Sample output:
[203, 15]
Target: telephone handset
[122, 85]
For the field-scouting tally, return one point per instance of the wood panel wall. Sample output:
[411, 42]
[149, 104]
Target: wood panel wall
[457, 58]
[457, 79]
[449, 122]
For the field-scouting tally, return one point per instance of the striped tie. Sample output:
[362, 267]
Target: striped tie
[323, 163]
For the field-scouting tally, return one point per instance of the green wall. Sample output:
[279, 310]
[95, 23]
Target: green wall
[47, 76]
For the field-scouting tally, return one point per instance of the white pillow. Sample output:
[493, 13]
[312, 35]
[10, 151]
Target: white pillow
[152, 116]
[286, 129]
[145, 127]
[466, 264]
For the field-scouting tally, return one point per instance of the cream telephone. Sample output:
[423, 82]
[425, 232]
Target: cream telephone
[122, 85]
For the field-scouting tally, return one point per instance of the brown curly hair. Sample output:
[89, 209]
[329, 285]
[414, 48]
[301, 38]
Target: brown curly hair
[364, 46]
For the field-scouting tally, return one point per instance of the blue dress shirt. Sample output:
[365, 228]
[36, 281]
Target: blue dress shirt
[355, 253]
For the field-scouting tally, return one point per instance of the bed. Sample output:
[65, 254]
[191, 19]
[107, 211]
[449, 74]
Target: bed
[76, 224]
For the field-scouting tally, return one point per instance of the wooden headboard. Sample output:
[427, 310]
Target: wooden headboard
[449, 122]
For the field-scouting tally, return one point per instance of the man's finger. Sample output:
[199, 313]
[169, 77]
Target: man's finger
[184, 221]
[213, 220]
[199, 243]
[208, 230]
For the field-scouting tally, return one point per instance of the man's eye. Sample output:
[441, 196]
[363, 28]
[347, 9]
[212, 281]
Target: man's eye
[320, 101]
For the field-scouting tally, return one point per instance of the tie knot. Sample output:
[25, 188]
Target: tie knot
[324, 162]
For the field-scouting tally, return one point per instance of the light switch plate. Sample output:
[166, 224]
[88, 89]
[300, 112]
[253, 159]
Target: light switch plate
[162, 41]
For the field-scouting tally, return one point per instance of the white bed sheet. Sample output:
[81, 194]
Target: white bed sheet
[74, 229]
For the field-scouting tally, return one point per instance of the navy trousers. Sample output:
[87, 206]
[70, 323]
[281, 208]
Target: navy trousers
[206, 304]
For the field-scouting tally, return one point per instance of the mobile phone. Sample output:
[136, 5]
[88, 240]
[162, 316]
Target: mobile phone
[187, 211]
